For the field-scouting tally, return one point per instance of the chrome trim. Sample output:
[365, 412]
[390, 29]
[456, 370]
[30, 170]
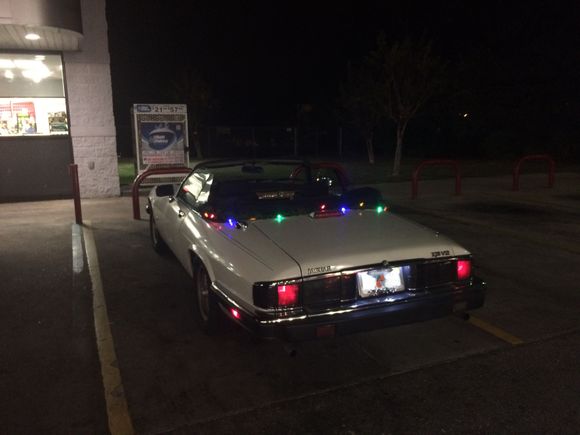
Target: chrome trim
[358, 269]
[278, 311]
[359, 305]
[225, 296]
[282, 320]
[443, 284]
[280, 282]
[323, 276]
[397, 263]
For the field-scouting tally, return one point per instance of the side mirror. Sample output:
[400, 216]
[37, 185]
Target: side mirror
[164, 190]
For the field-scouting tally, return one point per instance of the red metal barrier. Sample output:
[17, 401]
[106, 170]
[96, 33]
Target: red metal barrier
[73, 171]
[139, 179]
[551, 169]
[454, 163]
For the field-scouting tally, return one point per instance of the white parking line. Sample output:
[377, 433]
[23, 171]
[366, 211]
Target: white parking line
[117, 409]
[77, 249]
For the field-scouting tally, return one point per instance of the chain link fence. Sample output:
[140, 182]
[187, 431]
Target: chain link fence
[276, 141]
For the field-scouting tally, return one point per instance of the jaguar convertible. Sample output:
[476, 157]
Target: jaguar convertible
[285, 249]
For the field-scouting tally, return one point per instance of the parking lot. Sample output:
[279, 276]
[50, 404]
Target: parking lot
[512, 367]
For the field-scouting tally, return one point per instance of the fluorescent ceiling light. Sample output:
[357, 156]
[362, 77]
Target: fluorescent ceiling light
[28, 63]
[34, 70]
[9, 74]
[32, 36]
[36, 75]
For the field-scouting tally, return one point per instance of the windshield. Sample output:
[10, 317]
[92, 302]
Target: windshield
[257, 171]
[260, 190]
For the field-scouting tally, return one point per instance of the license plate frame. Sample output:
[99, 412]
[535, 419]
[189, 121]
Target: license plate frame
[381, 281]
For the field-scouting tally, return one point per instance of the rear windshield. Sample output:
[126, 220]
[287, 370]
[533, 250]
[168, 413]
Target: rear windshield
[265, 190]
[262, 171]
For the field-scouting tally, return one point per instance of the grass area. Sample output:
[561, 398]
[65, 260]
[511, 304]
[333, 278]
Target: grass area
[362, 172]
[126, 171]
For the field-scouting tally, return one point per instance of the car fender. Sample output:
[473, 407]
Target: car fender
[230, 263]
[198, 254]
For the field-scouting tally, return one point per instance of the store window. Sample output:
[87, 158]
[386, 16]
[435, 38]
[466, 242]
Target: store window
[32, 98]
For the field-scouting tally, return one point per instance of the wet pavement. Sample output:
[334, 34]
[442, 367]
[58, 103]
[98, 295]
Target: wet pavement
[49, 374]
[442, 376]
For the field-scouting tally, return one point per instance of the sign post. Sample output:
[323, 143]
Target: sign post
[160, 136]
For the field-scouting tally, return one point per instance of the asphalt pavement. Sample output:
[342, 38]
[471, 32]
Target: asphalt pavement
[510, 368]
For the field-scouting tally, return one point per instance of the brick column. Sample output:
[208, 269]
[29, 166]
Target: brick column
[92, 125]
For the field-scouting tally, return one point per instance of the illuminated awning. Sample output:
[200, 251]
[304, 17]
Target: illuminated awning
[14, 36]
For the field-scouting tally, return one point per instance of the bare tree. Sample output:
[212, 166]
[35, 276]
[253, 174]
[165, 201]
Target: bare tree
[190, 88]
[408, 74]
[360, 99]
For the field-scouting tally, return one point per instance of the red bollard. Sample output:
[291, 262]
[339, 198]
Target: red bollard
[73, 171]
[518, 164]
[417, 171]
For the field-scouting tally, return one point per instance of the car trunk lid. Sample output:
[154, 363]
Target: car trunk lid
[359, 238]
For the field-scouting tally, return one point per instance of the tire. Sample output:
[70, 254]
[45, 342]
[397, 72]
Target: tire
[206, 310]
[157, 241]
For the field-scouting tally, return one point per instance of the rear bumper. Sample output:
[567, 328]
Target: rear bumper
[347, 320]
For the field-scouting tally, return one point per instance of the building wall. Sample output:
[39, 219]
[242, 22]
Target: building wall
[92, 125]
[35, 168]
[64, 14]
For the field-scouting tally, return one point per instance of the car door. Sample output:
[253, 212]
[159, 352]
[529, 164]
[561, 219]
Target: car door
[179, 206]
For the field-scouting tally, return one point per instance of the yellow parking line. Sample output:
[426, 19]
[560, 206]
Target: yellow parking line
[495, 331]
[117, 409]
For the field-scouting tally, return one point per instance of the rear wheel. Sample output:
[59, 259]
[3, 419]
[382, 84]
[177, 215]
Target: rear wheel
[206, 309]
[156, 240]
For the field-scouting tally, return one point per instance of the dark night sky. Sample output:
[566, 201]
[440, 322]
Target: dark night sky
[262, 58]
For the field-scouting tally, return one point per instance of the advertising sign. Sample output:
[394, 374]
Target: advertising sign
[160, 135]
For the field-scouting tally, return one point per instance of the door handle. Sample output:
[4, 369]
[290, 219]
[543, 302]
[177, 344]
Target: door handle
[180, 214]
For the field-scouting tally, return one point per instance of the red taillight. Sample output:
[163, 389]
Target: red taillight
[463, 269]
[288, 295]
[235, 313]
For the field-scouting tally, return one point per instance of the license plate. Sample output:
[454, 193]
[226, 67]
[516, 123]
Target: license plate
[377, 282]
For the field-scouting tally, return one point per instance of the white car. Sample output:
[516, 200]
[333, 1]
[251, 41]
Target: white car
[282, 248]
